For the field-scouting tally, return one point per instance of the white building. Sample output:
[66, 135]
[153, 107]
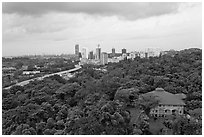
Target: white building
[113, 60]
[124, 55]
[104, 58]
[153, 52]
[168, 103]
[133, 55]
[142, 54]
[98, 53]
[84, 53]
[30, 72]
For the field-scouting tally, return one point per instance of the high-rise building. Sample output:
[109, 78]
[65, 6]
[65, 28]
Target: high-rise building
[104, 58]
[146, 55]
[84, 53]
[113, 51]
[98, 53]
[77, 50]
[80, 56]
[124, 51]
[91, 55]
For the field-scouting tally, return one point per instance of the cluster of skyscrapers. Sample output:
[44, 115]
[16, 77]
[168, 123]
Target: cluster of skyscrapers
[90, 57]
[103, 58]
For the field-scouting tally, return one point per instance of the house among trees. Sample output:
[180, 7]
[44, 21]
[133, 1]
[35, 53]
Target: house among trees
[168, 103]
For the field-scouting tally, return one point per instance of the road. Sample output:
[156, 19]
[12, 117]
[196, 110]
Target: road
[41, 78]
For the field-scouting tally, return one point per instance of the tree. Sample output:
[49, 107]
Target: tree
[184, 126]
[101, 103]
[19, 65]
[147, 103]
[16, 88]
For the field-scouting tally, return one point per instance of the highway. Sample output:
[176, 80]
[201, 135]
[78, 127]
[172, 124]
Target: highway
[41, 78]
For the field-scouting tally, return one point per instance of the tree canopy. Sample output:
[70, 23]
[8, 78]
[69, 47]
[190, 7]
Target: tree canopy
[96, 102]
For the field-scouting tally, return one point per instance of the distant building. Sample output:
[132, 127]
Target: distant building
[168, 103]
[91, 55]
[83, 61]
[113, 51]
[8, 70]
[146, 55]
[104, 58]
[24, 67]
[89, 61]
[153, 52]
[98, 53]
[113, 60]
[133, 55]
[84, 53]
[30, 72]
[110, 55]
[171, 53]
[142, 54]
[124, 56]
[80, 56]
[67, 75]
[77, 50]
[124, 51]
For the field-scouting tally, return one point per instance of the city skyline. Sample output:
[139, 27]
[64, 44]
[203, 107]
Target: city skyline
[53, 28]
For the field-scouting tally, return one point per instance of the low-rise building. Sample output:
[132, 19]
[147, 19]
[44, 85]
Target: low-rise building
[30, 72]
[24, 67]
[89, 61]
[171, 53]
[124, 56]
[8, 70]
[113, 60]
[168, 103]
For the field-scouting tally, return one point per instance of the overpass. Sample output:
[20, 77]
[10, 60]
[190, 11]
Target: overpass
[23, 83]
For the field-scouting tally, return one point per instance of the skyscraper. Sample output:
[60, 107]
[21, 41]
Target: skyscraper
[80, 56]
[77, 50]
[124, 50]
[104, 58]
[113, 51]
[84, 53]
[146, 55]
[91, 55]
[98, 52]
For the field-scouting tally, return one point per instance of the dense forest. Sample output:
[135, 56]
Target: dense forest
[91, 103]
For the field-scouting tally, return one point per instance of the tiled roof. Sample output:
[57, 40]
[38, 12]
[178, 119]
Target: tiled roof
[181, 95]
[165, 98]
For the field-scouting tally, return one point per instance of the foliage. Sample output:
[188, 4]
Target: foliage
[95, 101]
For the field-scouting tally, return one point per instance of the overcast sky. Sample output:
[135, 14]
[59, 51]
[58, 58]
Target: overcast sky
[54, 28]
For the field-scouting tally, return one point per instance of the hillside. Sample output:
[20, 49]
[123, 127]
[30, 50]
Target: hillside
[86, 104]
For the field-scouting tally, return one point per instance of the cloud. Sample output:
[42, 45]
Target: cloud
[55, 30]
[127, 10]
[47, 23]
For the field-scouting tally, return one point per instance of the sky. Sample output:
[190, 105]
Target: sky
[55, 27]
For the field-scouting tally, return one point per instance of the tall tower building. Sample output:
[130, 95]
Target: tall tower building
[124, 50]
[91, 55]
[77, 50]
[146, 55]
[84, 53]
[104, 58]
[113, 51]
[98, 52]
[80, 56]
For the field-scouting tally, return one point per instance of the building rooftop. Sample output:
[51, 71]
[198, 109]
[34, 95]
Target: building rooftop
[165, 98]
